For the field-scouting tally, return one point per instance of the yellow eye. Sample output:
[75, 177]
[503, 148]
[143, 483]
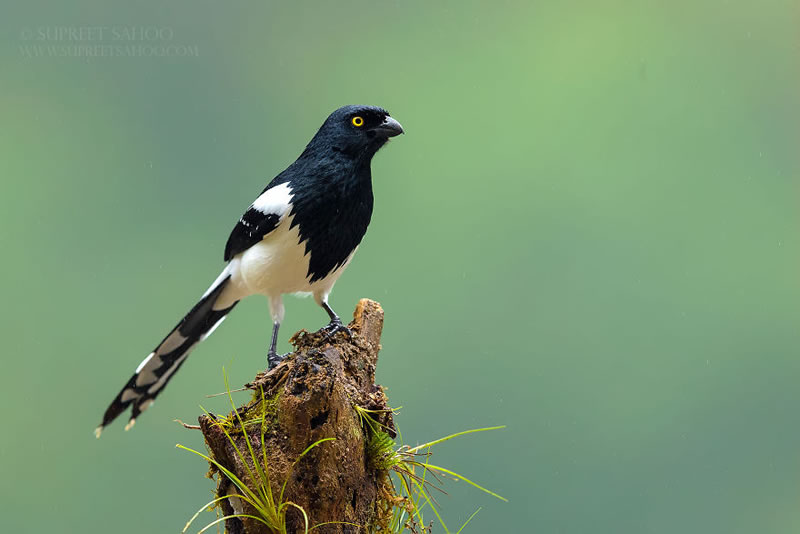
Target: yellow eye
[358, 121]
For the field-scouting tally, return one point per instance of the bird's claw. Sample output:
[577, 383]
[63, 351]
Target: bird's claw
[273, 359]
[335, 327]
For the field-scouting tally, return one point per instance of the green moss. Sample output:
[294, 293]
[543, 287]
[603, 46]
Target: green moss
[260, 412]
[379, 444]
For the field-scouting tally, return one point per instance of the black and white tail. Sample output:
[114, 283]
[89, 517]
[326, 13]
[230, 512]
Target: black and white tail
[157, 369]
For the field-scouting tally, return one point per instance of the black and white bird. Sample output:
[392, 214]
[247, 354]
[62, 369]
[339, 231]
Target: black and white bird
[296, 237]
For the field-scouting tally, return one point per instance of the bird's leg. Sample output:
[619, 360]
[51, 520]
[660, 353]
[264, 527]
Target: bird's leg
[276, 311]
[336, 324]
[273, 358]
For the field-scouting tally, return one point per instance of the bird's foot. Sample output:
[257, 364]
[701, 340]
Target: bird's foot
[334, 327]
[273, 359]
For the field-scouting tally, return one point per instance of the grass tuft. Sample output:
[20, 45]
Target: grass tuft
[407, 492]
[269, 510]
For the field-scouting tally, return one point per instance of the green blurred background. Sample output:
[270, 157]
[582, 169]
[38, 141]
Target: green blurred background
[589, 233]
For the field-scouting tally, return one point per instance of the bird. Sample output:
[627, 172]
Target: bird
[297, 236]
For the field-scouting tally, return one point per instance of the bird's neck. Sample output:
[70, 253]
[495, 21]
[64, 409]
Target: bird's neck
[338, 163]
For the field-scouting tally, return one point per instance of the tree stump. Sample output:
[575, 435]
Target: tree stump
[308, 397]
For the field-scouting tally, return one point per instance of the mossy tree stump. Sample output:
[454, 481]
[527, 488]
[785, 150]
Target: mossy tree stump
[308, 397]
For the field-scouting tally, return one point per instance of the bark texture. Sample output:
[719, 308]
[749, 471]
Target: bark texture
[308, 397]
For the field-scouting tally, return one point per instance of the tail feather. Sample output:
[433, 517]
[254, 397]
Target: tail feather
[153, 374]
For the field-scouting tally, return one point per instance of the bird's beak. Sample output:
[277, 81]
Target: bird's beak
[389, 127]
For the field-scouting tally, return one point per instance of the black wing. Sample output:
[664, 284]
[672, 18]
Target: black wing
[250, 229]
[262, 217]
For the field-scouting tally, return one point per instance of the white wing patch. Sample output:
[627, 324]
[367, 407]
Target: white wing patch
[277, 200]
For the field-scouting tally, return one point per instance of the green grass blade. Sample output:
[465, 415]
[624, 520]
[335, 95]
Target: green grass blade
[221, 519]
[230, 439]
[416, 510]
[200, 511]
[323, 440]
[465, 479]
[263, 446]
[468, 520]
[262, 474]
[305, 516]
[265, 506]
[283, 487]
[451, 436]
[250, 497]
[428, 500]
[334, 523]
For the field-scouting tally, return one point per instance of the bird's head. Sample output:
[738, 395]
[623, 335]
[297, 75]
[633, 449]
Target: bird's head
[356, 130]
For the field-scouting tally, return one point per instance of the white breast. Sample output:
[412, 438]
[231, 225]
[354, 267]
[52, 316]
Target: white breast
[275, 265]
